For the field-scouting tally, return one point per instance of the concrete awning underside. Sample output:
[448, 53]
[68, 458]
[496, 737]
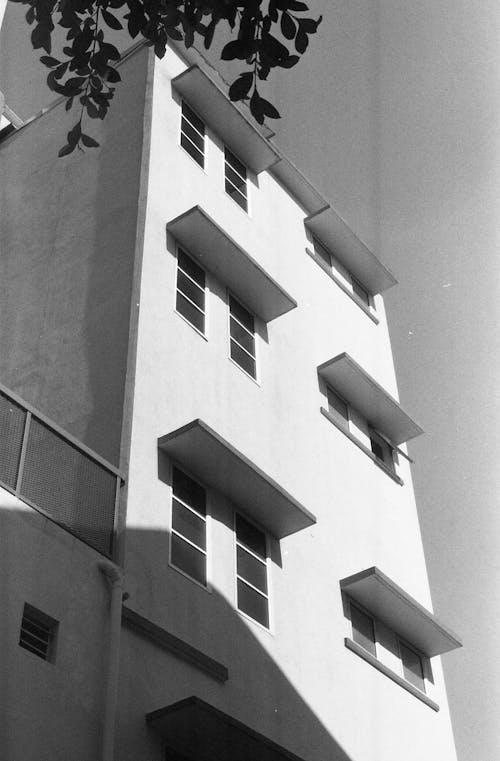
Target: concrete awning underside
[195, 729]
[368, 397]
[399, 611]
[217, 252]
[221, 466]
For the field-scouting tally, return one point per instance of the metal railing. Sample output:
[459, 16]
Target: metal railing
[57, 475]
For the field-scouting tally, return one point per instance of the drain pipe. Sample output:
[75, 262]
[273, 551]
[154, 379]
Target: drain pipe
[114, 577]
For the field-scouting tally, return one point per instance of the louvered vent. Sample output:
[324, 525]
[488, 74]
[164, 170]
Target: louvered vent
[38, 633]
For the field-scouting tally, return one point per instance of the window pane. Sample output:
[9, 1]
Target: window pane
[235, 163]
[236, 179]
[193, 270]
[189, 491]
[377, 450]
[253, 604]
[188, 524]
[193, 151]
[243, 359]
[323, 254]
[251, 569]
[360, 292]
[191, 290]
[412, 667]
[190, 312]
[188, 559]
[362, 629]
[337, 406]
[242, 335]
[241, 314]
[250, 536]
[193, 118]
[193, 135]
[236, 196]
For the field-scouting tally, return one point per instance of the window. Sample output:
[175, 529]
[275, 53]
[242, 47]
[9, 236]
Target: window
[193, 135]
[235, 179]
[363, 629]
[341, 276]
[338, 407]
[360, 292]
[38, 633]
[382, 450]
[251, 571]
[190, 297]
[412, 666]
[242, 337]
[188, 548]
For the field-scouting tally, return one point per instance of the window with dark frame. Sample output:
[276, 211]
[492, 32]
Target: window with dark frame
[38, 633]
[360, 292]
[382, 450]
[413, 670]
[193, 135]
[188, 548]
[235, 174]
[251, 571]
[363, 629]
[190, 296]
[337, 407]
[242, 337]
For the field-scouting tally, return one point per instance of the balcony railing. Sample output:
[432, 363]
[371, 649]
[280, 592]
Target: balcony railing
[58, 476]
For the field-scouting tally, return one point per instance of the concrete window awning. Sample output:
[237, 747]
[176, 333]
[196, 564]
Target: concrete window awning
[299, 186]
[207, 456]
[400, 612]
[342, 242]
[217, 252]
[195, 729]
[366, 396]
[236, 130]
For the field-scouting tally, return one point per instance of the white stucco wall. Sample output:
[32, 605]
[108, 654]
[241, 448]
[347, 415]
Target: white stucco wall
[296, 684]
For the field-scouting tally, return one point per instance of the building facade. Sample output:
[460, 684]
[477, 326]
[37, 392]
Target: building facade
[211, 545]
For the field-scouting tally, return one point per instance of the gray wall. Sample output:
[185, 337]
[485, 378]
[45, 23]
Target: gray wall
[67, 232]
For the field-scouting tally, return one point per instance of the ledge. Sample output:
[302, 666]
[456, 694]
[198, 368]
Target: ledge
[212, 104]
[220, 254]
[196, 729]
[379, 408]
[337, 236]
[369, 658]
[173, 645]
[363, 448]
[343, 287]
[217, 463]
[399, 611]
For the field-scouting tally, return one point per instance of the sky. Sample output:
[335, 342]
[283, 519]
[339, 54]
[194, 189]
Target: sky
[405, 142]
[404, 139]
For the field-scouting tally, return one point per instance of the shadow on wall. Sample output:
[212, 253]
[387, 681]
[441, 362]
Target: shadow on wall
[54, 708]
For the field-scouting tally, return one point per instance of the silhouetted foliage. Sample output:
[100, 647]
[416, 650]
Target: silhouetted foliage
[88, 70]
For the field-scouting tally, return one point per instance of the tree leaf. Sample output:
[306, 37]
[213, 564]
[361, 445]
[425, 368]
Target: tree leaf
[89, 142]
[111, 20]
[49, 61]
[66, 150]
[288, 27]
[241, 86]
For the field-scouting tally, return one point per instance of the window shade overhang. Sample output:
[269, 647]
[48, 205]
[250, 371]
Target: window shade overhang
[338, 237]
[220, 254]
[368, 397]
[196, 729]
[234, 128]
[399, 611]
[218, 464]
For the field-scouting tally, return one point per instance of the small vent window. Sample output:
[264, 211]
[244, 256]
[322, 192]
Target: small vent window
[38, 633]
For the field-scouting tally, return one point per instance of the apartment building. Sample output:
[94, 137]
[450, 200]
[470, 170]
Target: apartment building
[211, 549]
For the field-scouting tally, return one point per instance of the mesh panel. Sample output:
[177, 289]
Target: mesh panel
[12, 420]
[69, 486]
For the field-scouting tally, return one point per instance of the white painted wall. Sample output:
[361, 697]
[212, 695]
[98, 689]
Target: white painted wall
[297, 684]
